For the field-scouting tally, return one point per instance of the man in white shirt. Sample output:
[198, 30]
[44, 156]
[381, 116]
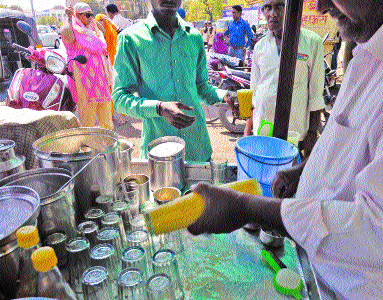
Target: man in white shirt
[307, 100]
[337, 213]
[116, 17]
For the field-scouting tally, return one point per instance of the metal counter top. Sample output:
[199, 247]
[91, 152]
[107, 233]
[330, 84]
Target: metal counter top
[229, 266]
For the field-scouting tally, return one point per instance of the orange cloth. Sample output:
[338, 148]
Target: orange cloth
[110, 36]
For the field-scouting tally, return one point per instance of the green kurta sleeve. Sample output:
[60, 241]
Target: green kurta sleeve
[126, 82]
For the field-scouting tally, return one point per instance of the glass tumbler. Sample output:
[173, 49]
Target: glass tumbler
[159, 287]
[96, 284]
[114, 220]
[141, 238]
[78, 252]
[105, 203]
[110, 235]
[122, 208]
[131, 284]
[95, 214]
[134, 257]
[164, 261]
[88, 230]
[218, 171]
[105, 255]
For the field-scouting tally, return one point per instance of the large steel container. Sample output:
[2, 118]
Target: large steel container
[10, 162]
[126, 149]
[57, 209]
[167, 162]
[19, 206]
[72, 149]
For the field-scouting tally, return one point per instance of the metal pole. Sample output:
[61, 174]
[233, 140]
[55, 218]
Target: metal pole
[33, 11]
[290, 40]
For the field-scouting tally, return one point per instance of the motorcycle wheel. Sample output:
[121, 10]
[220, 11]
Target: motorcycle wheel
[57, 44]
[229, 121]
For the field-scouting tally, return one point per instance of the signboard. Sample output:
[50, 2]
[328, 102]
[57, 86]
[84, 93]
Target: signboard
[321, 24]
[250, 12]
[311, 19]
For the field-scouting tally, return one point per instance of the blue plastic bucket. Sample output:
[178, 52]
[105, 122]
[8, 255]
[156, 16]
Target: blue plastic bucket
[261, 157]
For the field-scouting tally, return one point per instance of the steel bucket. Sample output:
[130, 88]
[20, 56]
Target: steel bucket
[19, 206]
[57, 210]
[64, 149]
[167, 170]
[126, 149]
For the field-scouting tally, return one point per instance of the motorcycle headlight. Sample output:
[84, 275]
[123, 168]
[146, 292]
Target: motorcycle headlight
[54, 64]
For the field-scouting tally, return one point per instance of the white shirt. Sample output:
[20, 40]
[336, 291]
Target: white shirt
[337, 214]
[121, 22]
[308, 83]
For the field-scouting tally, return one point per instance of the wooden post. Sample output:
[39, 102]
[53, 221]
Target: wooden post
[290, 40]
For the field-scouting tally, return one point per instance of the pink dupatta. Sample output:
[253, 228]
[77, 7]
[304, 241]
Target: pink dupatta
[95, 75]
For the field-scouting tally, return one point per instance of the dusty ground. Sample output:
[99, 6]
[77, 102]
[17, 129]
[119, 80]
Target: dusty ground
[222, 140]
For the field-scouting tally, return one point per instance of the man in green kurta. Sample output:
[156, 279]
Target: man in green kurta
[161, 76]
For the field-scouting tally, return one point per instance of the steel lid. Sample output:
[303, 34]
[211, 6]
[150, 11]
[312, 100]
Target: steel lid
[19, 206]
[166, 148]
[46, 182]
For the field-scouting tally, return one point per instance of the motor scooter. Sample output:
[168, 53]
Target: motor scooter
[226, 75]
[40, 88]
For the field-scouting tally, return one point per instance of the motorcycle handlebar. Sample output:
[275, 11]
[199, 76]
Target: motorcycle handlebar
[20, 48]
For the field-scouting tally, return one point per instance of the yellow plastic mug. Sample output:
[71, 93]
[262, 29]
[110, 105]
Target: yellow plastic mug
[245, 102]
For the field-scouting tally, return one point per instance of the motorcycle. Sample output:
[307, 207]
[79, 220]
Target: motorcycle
[41, 89]
[227, 73]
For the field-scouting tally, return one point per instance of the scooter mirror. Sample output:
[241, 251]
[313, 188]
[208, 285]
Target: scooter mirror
[81, 59]
[24, 27]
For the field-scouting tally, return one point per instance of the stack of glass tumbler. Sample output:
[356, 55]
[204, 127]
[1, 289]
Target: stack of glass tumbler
[115, 257]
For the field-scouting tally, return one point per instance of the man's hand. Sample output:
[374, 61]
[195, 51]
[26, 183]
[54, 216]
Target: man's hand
[224, 210]
[171, 111]
[230, 99]
[285, 183]
[308, 143]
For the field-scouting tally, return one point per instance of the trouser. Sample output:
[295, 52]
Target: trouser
[236, 53]
[334, 59]
[89, 111]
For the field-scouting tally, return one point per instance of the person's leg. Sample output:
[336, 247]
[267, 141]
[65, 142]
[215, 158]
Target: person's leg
[230, 52]
[104, 114]
[86, 110]
[334, 59]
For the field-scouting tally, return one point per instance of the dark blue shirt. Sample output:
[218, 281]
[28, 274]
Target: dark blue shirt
[237, 32]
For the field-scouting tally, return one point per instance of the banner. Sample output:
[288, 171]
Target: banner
[321, 24]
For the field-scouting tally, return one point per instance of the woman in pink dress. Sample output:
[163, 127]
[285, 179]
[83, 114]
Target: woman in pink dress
[91, 87]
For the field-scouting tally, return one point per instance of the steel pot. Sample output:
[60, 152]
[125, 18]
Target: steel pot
[126, 148]
[10, 163]
[71, 149]
[57, 209]
[19, 206]
[167, 162]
